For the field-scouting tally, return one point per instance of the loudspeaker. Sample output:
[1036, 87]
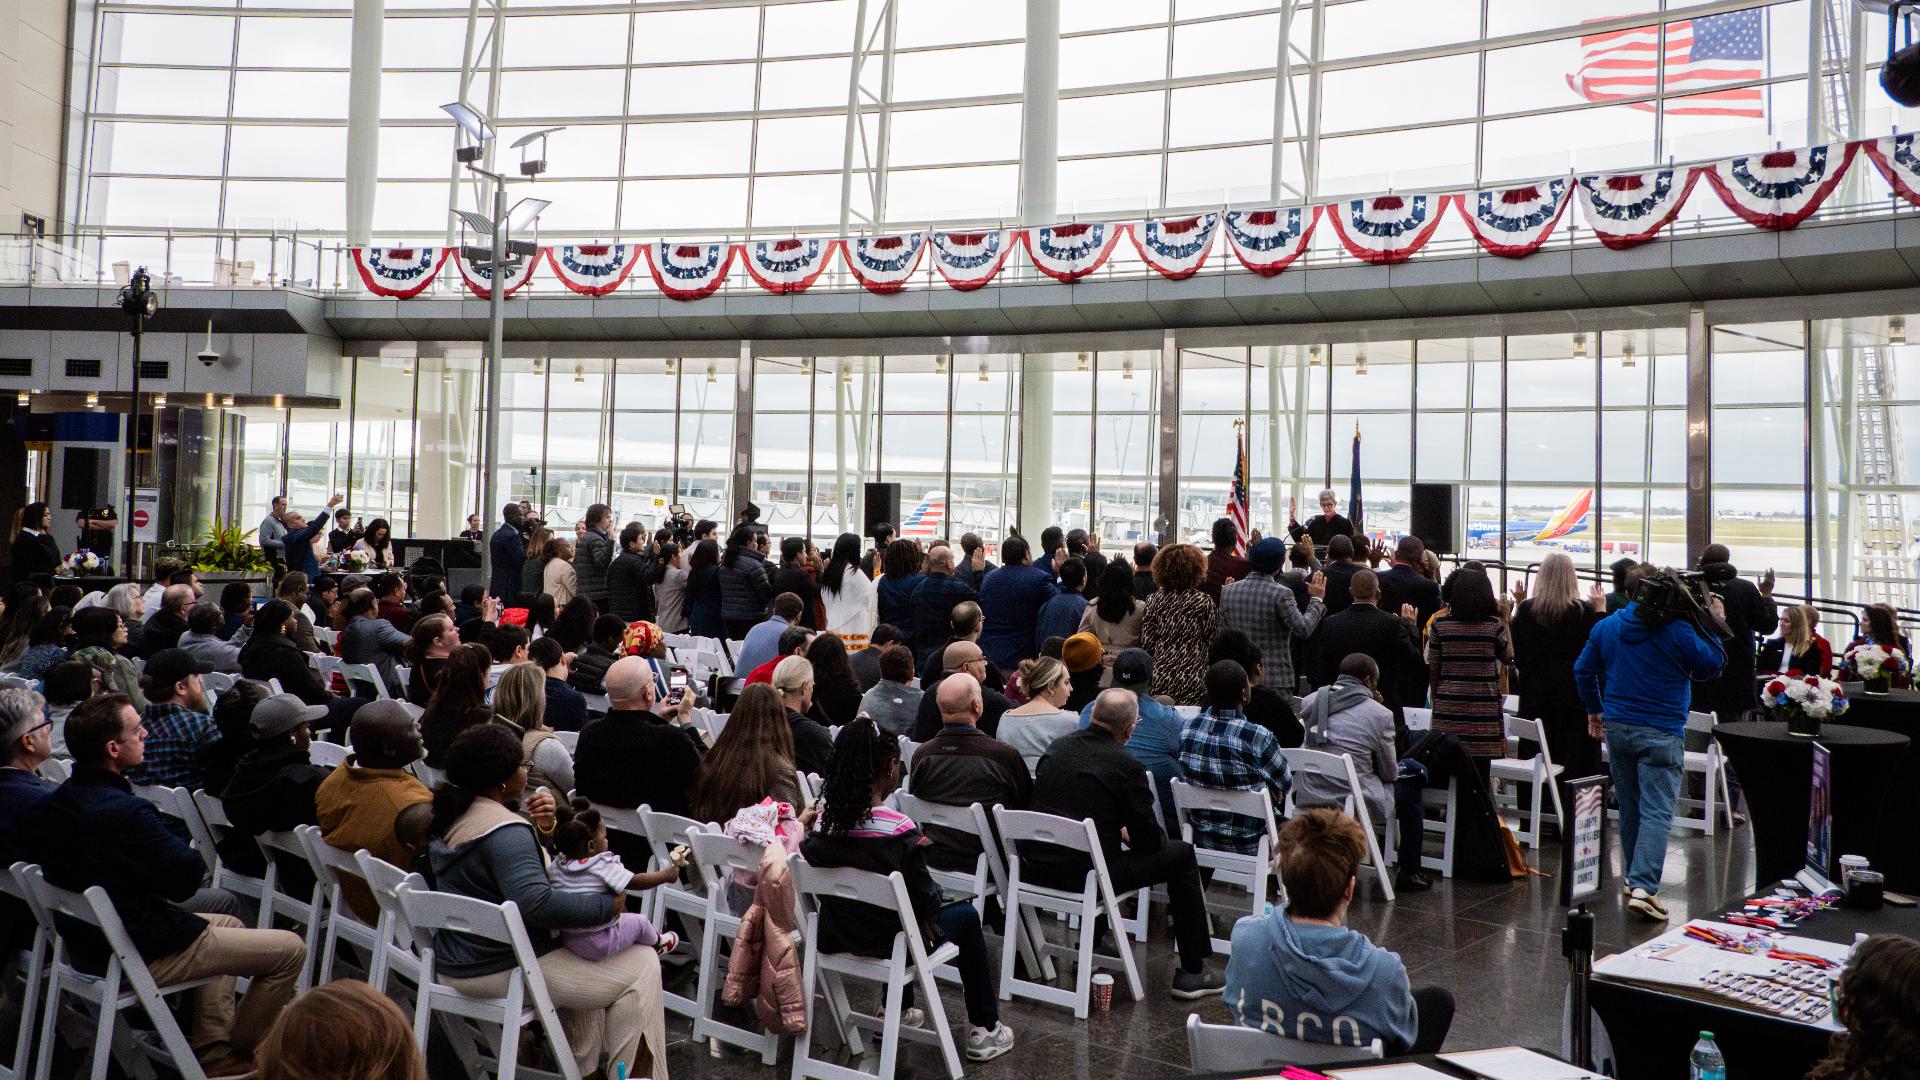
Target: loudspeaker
[1432, 516]
[883, 507]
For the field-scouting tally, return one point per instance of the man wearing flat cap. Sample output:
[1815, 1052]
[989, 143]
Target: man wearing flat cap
[1263, 607]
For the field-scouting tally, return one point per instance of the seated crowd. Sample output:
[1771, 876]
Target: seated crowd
[488, 732]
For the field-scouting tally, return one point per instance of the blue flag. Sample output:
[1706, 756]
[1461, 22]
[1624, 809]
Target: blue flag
[1354, 503]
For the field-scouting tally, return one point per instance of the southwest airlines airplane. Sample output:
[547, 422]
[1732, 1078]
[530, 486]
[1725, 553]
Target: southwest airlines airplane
[1571, 519]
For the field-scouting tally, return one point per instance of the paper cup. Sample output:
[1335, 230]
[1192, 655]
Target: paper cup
[1102, 990]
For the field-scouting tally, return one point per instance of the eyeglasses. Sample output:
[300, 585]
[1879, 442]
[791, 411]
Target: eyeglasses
[528, 764]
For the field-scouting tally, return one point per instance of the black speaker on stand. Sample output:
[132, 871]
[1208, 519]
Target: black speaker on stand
[883, 507]
[1432, 516]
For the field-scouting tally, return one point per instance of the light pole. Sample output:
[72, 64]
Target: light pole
[137, 299]
[499, 259]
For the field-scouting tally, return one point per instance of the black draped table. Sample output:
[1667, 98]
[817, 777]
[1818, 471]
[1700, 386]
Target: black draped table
[1775, 770]
[1897, 854]
[1653, 1030]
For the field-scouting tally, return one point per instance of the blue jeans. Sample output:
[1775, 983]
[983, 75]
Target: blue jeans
[960, 924]
[1646, 764]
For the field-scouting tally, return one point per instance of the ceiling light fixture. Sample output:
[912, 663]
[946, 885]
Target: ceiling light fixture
[1626, 353]
[93, 400]
[227, 402]
[1360, 360]
[983, 369]
[1580, 345]
[712, 375]
[279, 401]
[673, 366]
[539, 367]
[1897, 330]
[159, 402]
[1313, 356]
[579, 373]
[846, 376]
[23, 399]
[1083, 362]
[1126, 370]
[939, 365]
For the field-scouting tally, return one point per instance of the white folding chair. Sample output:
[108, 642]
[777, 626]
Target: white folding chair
[214, 825]
[989, 874]
[718, 858]
[1094, 897]
[125, 983]
[598, 703]
[326, 664]
[394, 950]
[1538, 774]
[56, 769]
[689, 899]
[33, 972]
[1417, 719]
[1448, 802]
[1339, 769]
[1710, 765]
[427, 774]
[365, 673]
[1230, 867]
[326, 635]
[1232, 1048]
[909, 964]
[330, 866]
[218, 682]
[309, 912]
[327, 755]
[525, 1000]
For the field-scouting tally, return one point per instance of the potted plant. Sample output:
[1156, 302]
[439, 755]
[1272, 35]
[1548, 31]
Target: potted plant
[1876, 666]
[1804, 703]
[225, 553]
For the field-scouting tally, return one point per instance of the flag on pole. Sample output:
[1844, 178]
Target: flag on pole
[1354, 503]
[1237, 501]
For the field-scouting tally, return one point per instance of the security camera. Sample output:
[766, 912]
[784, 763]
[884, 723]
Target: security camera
[209, 357]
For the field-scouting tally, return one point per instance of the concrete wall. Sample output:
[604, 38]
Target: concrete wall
[34, 61]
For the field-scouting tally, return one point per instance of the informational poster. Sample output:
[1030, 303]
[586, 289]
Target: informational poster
[1820, 814]
[1583, 854]
[146, 515]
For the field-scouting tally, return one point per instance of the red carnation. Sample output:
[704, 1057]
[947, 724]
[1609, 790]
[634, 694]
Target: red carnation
[1776, 688]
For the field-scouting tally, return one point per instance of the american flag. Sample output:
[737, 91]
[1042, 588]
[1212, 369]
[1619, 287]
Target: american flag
[1700, 54]
[1237, 501]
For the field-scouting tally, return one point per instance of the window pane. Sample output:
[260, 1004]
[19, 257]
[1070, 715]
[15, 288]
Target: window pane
[289, 151]
[1102, 125]
[1228, 45]
[180, 149]
[660, 91]
[1355, 29]
[568, 39]
[1102, 59]
[1373, 97]
[940, 136]
[305, 43]
[291, 94]
[155, 92]
[1229, 112]
[681, 149]
[186, 40]
[925, 76]
[801, 84]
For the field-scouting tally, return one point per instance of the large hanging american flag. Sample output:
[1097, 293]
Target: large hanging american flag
[1700, 54]
[1237, 501]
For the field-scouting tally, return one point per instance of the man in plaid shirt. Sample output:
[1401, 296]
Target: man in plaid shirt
[1265, 609]
[1224, 750]
[179, 727]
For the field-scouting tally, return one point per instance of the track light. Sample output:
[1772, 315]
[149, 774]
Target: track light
[1083, 363]
[1313, 356]
[673, 366]
[23, 399]
[983, 369]
[1626, 353]
[539, 367]
[227, 402]
[712, 375]
[1360, 360]
[579, 374]
[1897, 330]
[806, 365]
[93, 400]
[1580, 345]
[159, 402]
[279, 401]
[846, 376]
[1126, 370]
[939, 365]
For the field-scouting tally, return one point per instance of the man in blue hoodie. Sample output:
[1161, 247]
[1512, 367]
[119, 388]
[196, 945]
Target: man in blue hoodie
[1636, 679]
[1298, 971]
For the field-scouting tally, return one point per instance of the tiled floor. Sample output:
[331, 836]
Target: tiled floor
[1497, 947]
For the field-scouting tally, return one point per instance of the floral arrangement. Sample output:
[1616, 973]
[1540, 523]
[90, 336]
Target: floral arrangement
[1810, 698]
[226, 548]
[82, 562]
[354, 561]
[1869, 660]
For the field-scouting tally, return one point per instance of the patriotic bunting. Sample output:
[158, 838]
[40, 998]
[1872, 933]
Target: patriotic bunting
[1515, 221]
[1781, 188]
[480, 279]
[1387, 228]
[1895, 159]
[1628, 209]
[593, 269]
[1072, 251]
[884, 263]
[398, 272]
[788, 266]
[689, 271]
[968, 260]
[1267, 241]
[1177, 247]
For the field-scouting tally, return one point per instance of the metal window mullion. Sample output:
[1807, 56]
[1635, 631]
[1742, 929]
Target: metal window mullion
[413, 522]
[1166, 123]
[1310, 149]
[1480, 104]
[620, 185]
[353, 402]
[226, 133]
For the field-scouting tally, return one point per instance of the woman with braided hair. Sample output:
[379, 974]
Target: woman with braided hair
[859, 830]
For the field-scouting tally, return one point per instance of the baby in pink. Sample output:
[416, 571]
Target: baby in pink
[586, 866]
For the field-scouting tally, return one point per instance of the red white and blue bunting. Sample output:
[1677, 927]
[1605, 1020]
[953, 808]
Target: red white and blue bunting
[1515, 221]
[884, 264]
[1387, 228]
[1267, 241]
[1628, 209]
[788, 266]
[689, 271]
[1780, 188]
[1895, 158]
[480, 279]
[1176, 247]
[1071, 251]
[398, 272]
[593, 269]
[968, 260]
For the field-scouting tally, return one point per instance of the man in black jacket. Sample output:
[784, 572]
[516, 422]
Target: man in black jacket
[593, 553]
[275, 783]
[959, 656]
[1340, 567]
[974, 565]
[795, 575]
[1143, 553]
[866, 662]
[932, 605]
[95, 831]
[1089, 774]
[636, 755]
[629, 590]
[1389, 639]
[1403, 583]
[164, 627]
[1750, 613]
[964, 765]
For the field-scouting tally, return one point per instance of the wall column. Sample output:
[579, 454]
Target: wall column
[1036, 446]
[741, 488]
[1039, 162]
[363, 118]
[1699, 434]
[1167, 522]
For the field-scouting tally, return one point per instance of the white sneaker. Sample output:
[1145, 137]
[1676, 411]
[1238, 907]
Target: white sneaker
[985, 1045]
[913, 1017]
[1647, 905]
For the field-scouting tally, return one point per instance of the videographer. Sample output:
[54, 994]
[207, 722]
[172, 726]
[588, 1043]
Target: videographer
[1750, 613]
[1636, 678]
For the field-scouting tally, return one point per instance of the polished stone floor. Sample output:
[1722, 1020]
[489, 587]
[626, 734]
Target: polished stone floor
[1496, 947]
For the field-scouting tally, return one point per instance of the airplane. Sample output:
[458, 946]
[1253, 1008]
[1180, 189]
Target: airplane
[927, 520]
[1572, 518]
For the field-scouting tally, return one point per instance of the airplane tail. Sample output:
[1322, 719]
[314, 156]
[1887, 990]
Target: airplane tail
[1571, 518]
[927, 520]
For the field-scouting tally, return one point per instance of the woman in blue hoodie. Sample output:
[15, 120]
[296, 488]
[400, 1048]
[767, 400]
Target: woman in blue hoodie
[483, 847]
[1298, 971]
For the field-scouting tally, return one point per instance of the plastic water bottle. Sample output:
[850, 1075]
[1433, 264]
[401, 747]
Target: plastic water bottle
[1706, 1063]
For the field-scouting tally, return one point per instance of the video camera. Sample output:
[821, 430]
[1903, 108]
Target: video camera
[680, 523]
[1668, 594]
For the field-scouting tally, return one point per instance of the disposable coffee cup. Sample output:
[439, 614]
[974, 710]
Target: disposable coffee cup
[1102, 991]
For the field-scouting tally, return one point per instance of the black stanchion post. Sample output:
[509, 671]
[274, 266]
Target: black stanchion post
[1576, 944]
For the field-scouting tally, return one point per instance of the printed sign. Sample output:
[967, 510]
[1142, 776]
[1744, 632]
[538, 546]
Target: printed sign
[1820, 814]
[146, 515]
[1583, 857]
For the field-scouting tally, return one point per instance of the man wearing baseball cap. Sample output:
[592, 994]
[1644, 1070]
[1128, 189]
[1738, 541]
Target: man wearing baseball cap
[1156, 738]
[958, 657]
[273, 787]
[179, 722]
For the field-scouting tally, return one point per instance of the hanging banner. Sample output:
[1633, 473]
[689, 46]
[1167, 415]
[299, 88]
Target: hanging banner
[1071, 251]
[1515, 221]
[1628, 209]
[593, 269]
[788, 266]
[689, 271]
[1267, 241]
[480, 281]
[968, 260]
[398, 272]
[1177, 247]
[1895, 159]
[1780, 188]
[884, 264]
[1387, 228]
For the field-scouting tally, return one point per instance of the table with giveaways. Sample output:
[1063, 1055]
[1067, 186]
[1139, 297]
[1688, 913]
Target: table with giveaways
[1652, 1000]
[1498, 1063]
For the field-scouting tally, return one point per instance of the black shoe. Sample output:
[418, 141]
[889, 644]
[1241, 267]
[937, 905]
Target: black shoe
[1411, 881]
[1193, 985]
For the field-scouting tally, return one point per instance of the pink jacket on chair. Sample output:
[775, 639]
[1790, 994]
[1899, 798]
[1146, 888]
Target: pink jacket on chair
[766, 962]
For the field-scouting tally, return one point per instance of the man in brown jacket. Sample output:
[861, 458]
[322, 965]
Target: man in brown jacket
[372, 802]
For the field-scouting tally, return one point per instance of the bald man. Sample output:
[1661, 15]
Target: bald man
[959, 658]
[364, 803]
[963, 765]
[637, 754]
[165, 626]
[1390, 638]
